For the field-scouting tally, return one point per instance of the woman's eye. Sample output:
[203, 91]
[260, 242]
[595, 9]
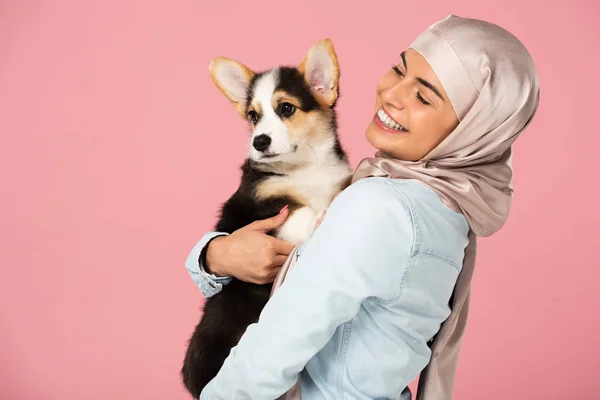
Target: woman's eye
[397, 71]
[422, 100]
[419, 97]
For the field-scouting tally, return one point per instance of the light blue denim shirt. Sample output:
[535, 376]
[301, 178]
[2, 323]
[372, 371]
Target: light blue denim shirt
[369, 291]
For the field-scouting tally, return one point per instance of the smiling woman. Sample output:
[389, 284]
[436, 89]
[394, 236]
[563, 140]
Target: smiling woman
[378, 295]
[412, 110]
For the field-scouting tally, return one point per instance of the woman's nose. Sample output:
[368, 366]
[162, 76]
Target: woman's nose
[395, 95]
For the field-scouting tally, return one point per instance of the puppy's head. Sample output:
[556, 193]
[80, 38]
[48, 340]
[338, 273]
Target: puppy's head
[289, 109]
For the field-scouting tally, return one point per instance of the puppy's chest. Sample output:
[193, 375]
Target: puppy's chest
[313, 189]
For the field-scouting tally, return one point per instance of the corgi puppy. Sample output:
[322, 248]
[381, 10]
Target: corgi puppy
[294, 158]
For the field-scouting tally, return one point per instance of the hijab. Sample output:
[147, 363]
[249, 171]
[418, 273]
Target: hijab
[491, 81]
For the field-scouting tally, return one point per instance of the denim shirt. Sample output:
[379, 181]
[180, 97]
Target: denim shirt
[370, 289]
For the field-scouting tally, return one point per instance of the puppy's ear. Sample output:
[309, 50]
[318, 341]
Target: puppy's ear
[321, 71]
[233, 79]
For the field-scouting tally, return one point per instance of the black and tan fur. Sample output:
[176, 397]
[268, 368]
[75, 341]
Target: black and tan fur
[301, 164]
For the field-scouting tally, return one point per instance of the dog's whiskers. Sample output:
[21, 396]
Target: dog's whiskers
[313, 150]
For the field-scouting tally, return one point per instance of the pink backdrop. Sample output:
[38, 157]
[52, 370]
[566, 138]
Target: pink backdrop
[116, 150]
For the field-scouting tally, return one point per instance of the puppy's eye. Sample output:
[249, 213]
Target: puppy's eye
[287, 109]
[253, 116]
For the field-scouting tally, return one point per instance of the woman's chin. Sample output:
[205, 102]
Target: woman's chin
[379, 139]
[392, 145]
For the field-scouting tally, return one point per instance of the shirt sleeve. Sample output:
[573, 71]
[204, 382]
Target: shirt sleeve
[208, 284]
[359, 251]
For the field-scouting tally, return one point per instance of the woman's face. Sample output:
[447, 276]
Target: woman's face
[415, 107]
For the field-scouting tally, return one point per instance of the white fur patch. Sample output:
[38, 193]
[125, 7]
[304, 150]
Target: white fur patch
[270, 124]
[317, 182]
[299, 226]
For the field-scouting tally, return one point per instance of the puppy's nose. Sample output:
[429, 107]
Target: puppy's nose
[261, 142]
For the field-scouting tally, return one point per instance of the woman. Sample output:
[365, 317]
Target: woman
[392, 260]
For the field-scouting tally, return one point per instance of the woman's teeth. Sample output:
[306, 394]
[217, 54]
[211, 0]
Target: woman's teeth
[389, 122]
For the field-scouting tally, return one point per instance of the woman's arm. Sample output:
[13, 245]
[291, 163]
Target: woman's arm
[248, 254]
[208, 283]
[360, 251]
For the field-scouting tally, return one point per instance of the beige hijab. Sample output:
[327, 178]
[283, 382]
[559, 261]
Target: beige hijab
[491, 81]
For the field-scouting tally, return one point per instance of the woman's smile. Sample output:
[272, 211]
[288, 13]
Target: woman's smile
[386, 123]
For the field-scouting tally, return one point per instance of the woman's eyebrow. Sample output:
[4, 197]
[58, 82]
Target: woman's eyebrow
[421, 80]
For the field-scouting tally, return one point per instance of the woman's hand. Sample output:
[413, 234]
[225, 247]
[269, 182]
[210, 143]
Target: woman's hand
[249, 254]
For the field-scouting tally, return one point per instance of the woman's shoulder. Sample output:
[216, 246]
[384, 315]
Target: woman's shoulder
[376, 199]
[437, 230]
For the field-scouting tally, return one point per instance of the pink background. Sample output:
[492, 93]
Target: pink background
[116, 151]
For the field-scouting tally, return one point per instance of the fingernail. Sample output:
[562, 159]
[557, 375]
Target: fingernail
[283, 209]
